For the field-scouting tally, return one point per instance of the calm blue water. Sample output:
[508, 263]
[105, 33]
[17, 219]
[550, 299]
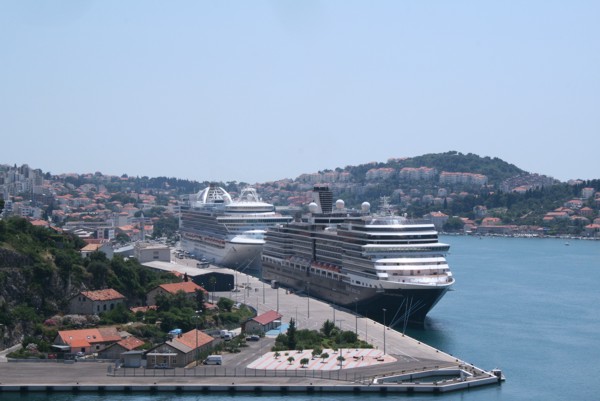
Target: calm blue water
[528, 306]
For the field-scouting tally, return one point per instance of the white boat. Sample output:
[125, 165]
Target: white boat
[224, 231]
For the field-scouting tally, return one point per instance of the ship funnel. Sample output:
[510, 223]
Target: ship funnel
[323, 197]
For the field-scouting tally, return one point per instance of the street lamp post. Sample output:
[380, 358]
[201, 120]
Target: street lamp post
[308, 300]
[356, 316]
[384, 310]
[333, 307]
[197, 317]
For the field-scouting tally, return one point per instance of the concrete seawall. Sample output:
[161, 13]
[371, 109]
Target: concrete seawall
[252, 388]
[407, 365]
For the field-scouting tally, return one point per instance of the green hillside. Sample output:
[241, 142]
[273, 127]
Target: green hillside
[495, 169]
[40, 269]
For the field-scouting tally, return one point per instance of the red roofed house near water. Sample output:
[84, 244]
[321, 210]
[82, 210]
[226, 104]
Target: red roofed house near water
[263, 323]
[95, 302]
[179, 351]
[116, 350]
[86, 340]
[188, 287]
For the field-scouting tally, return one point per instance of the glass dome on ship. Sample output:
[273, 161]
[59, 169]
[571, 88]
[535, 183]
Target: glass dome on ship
[224, 231]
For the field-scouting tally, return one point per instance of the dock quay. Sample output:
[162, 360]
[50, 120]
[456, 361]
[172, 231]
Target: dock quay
[396, 364]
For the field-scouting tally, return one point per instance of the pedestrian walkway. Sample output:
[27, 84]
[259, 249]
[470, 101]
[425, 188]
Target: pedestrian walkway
[292, 360]
[7, 351]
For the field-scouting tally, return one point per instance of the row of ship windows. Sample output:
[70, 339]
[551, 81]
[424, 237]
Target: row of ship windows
[411, 264]
[320, 272]
[362, 284]
[412, 273]
[405, 250]
[335, 247]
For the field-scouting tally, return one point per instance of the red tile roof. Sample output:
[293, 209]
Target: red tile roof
[103, 295]
[85, 337]
[131, 343]
[268, 317]
[186, 286]
[136, 309]
[40, 223]
[189, 339]
[95, 241]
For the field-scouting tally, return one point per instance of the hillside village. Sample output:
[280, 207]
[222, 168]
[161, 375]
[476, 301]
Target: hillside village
[101, 208]
[116, 223]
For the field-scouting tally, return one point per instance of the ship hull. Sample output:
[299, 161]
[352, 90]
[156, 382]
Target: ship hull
[233, 255]
[403, 306]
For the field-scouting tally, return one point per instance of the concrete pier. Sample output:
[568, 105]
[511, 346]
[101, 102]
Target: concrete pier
[403, 364]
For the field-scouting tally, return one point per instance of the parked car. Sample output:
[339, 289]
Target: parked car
[214, 360]
[253, 337]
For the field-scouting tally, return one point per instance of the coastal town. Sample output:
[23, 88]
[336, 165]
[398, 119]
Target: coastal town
[106, 208]
[139, 295]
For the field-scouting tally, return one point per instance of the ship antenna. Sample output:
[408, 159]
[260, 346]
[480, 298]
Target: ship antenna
[386, 208]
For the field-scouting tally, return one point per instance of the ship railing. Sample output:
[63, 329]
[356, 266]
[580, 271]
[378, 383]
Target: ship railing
[419, 221]
[421, 280]
[232, 372]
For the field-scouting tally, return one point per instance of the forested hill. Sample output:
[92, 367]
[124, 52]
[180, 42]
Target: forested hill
[495, 169]
[40, 269]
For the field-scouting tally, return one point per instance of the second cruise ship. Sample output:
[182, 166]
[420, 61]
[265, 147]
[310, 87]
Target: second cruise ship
[227, 232]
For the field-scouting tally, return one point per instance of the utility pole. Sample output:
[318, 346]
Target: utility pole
[308, 300]
[333, 307]
[356, 316]
[197, 317]
[384, 310]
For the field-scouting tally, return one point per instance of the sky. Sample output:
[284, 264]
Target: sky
[257, 91]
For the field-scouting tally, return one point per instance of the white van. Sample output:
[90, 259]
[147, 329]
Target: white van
[227, 335]
[214, 360]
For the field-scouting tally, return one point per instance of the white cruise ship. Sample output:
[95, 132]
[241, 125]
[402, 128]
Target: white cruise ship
[386, 267]
[224, 231]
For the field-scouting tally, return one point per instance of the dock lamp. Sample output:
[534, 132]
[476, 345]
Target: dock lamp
[308, 300]
[197, 316]
[384, 310]
[356, 316]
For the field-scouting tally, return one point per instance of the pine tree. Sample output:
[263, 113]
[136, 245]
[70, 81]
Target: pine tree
[291, 334]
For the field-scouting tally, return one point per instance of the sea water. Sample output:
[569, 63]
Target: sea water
[530, 307]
